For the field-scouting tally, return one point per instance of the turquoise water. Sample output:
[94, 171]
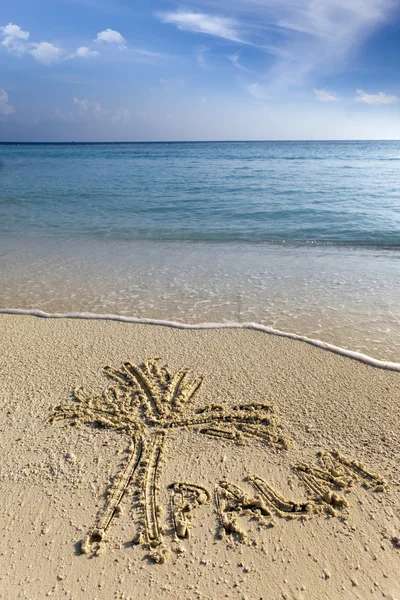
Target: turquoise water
[301, 192]
[303, 237]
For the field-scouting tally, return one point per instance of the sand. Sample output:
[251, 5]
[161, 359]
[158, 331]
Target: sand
[270, 470]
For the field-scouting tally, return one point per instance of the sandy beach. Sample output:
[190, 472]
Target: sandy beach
[199, 300]
[270, 470]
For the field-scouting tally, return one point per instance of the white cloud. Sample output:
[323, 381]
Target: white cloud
[89, 110]
[325, 96]
[85, 52]
[258, 91]
[379, 98]
[322, 33]
[14, 38]
[62, 116]
[217, 26]
[332, 20]
[88, 107]
[120, 114]
[16, 41]
[200, 56]
[109, 36]
[304, 36]
[46, 53]
[234, 59]
[5, 107]
[147, 53]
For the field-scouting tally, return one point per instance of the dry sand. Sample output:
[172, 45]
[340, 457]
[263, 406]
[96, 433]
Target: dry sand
[326, 530]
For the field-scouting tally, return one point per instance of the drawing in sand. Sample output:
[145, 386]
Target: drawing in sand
[147, 402]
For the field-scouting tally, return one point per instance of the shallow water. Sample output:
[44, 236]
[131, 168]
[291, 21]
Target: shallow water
[345, 296]
[300, 236]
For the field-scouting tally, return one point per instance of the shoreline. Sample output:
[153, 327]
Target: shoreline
[270, 243]
[358, 356]
[346, 298]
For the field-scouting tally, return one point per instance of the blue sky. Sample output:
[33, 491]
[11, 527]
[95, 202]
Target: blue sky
[208, 69]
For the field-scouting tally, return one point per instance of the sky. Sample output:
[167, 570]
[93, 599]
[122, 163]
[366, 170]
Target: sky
[148, 70]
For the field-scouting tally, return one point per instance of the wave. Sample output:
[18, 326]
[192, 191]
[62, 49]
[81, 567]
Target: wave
[240, 238]
[358, 356]
[389, 158]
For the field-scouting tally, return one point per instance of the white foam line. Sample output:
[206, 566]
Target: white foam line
[374, 362]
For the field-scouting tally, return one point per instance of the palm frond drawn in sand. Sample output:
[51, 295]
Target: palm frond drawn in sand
[148, 402]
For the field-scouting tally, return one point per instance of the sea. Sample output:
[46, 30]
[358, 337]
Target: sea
[300, 236]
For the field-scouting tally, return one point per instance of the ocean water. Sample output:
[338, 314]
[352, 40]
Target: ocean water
[300, 236]
[285, 192]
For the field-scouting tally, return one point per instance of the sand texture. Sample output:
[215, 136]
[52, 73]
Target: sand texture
[144, 461]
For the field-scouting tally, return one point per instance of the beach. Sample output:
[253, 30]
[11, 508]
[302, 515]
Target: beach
[298, 236]
[199, 300]
[199, 384]
[343, 296]
[281, 465]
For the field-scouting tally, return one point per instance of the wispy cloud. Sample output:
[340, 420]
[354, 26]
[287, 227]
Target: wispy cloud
[305, 36]
[226, 28]
[336, 21]
[5, 107]
[110, 36]
[234, 59]
[321, 34]
[85, 106]
[258, 91]
[200, 55]
[379, 98]
[88, 110]
[325, 95]
[147, 53]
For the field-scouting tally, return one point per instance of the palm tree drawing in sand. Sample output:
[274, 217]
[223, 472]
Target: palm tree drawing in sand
[147, 402]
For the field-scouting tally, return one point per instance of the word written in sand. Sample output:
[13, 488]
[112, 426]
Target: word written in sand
[145, 403]
[326, 483]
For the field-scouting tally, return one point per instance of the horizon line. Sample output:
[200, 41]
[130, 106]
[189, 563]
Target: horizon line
[72, 142]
